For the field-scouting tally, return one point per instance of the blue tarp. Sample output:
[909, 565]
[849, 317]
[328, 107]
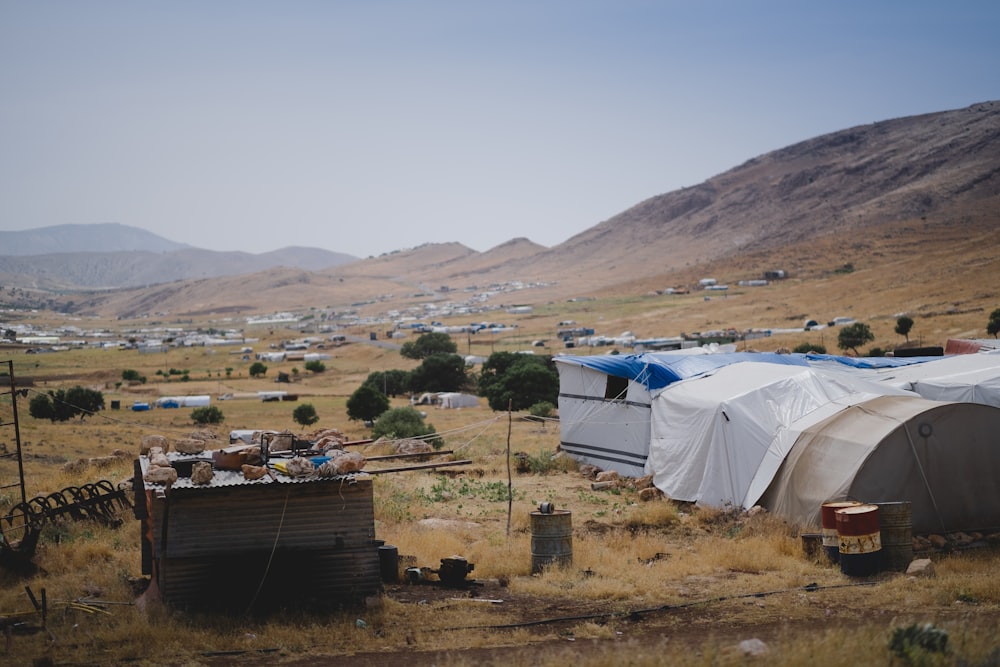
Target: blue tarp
[871, 362]
[656, 370]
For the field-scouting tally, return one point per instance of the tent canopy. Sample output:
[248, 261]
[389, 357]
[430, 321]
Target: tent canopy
[942, 457]
[712, 435]
[656, 370]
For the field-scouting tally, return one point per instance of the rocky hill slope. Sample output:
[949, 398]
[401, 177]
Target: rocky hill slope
[900, 187]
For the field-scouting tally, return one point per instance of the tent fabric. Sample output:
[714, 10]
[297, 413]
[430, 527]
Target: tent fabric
[451, 400]
[611, 433]
[971, 378]
[656, 370]
[942, 457]
[710, 435]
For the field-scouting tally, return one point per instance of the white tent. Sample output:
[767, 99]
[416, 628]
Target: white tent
[604, 405]
[712, 435]
[967, 378]
[183, 401]
[942, 457]
[457, 400]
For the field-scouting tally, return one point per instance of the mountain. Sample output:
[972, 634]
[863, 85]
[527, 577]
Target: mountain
[908, 200]
[102, 237]
[114, 256]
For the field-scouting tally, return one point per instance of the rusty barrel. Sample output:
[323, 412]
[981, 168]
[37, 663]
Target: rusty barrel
[828, 516]
[895, 521]
[860, 540]
[551, 539]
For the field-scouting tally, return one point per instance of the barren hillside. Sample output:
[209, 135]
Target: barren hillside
[901, 199]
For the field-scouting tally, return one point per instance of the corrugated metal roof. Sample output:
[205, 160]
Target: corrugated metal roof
[223, 478]
[292, 542]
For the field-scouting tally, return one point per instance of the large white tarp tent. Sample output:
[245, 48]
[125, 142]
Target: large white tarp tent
[942, 457]
[717, 429]
[968, 378]
[604, 406]
[449, 400]
[712, 435]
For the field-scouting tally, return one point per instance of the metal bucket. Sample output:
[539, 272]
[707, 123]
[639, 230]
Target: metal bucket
[828, 515]
[388, 564]
[860, 541]
[551, 539]
[896, 528]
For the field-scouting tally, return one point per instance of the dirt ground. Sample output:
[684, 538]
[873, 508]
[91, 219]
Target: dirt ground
[653, 632]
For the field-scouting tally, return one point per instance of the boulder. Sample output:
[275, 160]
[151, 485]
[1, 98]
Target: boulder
[920, 567]
[649, 493]
[201, 472]
[643, 482]
[189, 445]
[159, 460]
[150, 441]
[253, 472]
[342, 464]
[161, 475]
[607, 476]
[410, 446]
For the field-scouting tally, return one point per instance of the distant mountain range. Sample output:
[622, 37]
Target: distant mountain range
[834, 198]
[115, 256]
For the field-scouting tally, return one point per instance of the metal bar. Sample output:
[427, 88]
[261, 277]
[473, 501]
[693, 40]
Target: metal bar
[425, 466]
[407, 456]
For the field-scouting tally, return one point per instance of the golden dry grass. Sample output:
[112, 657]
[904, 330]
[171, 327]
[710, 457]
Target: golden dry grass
[701, 566]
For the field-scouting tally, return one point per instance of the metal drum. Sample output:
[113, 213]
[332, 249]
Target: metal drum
[896, 528]
[388, 563]
[860, 541]
[551, 539]
[828, 513]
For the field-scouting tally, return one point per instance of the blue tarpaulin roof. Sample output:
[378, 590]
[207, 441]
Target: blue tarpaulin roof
[657, 370]
[870, 362]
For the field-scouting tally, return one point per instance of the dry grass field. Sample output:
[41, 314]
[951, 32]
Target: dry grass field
[651, 582]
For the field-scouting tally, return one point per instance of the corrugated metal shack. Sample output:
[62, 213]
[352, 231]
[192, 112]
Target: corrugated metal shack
[273, 543]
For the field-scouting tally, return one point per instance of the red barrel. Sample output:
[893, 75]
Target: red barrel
[828, 513]
[860, 540]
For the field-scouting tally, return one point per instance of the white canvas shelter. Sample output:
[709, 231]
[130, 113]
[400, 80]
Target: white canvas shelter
[967, 378]
[457, 400]
[604, 408]
[942, 457]
[730, 429]
[184, 401]
[712, 435]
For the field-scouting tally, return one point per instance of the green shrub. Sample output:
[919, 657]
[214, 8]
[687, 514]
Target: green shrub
[406, 422]
[207, 415]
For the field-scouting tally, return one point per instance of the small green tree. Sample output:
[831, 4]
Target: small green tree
[903, 326]
[305, 414]
[393, 382]
[518, 380]
[993, 326]
[315, 366]
[366, 403]
[130, 375]
[439, 372]
[541, 409]
[854, 336]
[257, 369]
[207, 414]
[64, 404]
[40, 407]
[428, 344]
[405, 422]
[806, 348]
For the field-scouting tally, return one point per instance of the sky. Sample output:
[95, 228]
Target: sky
[375, 126]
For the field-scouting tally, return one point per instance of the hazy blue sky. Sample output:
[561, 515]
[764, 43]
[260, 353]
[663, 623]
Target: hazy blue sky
[371, 126]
